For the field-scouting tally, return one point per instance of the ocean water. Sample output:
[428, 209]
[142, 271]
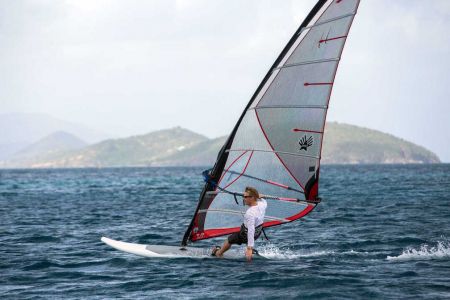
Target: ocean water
[381, 232]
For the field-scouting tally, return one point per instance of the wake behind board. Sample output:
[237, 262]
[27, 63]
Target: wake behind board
[162, 251]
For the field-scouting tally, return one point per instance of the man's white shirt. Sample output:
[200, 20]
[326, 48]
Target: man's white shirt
[254, 216]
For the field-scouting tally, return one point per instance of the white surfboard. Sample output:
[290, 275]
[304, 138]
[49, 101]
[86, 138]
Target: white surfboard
[162, 251]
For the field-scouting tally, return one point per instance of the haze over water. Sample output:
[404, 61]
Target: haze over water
[380, 232]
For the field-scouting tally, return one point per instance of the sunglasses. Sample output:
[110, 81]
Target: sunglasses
[247, 196]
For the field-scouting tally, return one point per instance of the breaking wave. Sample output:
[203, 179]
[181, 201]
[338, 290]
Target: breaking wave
[272, 252]
[425, 252]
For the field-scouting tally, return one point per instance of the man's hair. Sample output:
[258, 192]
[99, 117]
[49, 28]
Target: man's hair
[252, 192]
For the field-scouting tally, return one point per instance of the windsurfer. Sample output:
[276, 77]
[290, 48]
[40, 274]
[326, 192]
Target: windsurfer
[251, 228]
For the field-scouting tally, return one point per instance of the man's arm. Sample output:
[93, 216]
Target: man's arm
[250, 236]
[251, 231]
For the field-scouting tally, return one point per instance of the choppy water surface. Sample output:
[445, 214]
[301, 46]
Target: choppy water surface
[381, 232]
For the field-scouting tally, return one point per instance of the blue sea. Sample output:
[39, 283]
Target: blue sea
[381, 232]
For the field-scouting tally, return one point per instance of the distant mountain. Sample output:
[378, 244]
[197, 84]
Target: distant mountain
[349, 144]
[343, 144]
[20, 130]
[54, 145]
[202, 154]
[141, 150]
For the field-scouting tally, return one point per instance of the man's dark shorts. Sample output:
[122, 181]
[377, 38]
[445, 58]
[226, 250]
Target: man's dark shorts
[240, 237]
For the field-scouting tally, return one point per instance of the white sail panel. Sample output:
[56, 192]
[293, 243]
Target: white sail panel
[301, 85]
[339, 8]
[250, 135]
[322, 42]
[222, 218]
[226, 209]
[265, 171]
[265, 87]
[303, 169]
[286, 136]
[226, 218]
[294, 120]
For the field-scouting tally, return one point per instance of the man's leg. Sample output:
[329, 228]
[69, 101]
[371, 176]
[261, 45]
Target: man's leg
[226, 245]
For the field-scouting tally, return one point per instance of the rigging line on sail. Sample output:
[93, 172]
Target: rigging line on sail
[243, 171]
[268, 181]
[288, 199]
[232, 163]
[327, 21]
[317, 83]
[309, 62]
[305, 130]
[270, 197]
[273, 149]
[331, 39]
[207, 179]
[288, 106]
[236, 212]
[276, 152]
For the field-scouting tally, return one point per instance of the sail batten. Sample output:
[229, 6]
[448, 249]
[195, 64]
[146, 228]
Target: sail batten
[288, 106]
[276, 144]
[329, 20]
[228, 211]
[274, 151]
[307, 63]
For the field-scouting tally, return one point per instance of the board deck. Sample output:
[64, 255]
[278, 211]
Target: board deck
[163, 251]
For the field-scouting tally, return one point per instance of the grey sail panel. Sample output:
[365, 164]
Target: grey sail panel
[292, 85]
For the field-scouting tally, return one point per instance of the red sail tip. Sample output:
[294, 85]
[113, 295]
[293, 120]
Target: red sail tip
[317, 83]
[331, 39]
[305, 130]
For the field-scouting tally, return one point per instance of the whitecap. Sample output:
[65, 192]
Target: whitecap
[270, 251]
[425, 252]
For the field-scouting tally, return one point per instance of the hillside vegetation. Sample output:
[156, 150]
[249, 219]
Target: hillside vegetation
[343, 144]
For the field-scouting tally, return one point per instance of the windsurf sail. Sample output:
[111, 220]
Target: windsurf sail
[276, 144]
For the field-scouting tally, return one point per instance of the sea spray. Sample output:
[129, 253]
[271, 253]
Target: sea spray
[425, 252]
[271, 251]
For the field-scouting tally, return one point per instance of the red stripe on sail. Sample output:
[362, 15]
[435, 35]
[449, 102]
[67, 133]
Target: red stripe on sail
[271, 223]
[287, 199]
[243, 171]
[317, 83]
[301, 214]
[277, 184]
[282, 162]
[216, 232]
[332, 39]
[223, 174]
[210, 233]
[304, 130]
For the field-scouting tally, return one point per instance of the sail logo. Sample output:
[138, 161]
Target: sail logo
[305, 142]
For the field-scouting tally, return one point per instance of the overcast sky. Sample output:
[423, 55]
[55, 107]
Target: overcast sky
[130, 67]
